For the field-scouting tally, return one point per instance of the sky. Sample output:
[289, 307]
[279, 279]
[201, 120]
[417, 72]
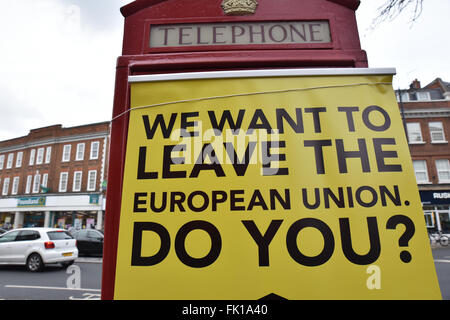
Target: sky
[58, 57]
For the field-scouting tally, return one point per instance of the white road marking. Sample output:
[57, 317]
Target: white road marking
[51, 288]
[442, 260]
[87, 296]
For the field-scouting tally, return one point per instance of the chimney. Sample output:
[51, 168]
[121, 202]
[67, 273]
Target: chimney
[415, 84]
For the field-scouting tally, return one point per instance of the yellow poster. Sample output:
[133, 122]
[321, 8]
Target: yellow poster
[257, 184]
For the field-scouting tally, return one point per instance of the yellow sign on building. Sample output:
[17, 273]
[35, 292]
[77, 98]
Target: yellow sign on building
[297, 183]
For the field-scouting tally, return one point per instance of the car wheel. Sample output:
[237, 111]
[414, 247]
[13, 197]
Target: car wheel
[35, 263]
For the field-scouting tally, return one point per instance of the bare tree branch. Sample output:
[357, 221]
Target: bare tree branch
[392, 8]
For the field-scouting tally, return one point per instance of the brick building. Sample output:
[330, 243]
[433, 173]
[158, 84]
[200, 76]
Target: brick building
[426, 113]
[55, 176]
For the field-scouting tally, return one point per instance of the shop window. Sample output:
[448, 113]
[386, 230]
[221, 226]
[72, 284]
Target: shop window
[36, 219]
[443, 170]
[437, 132]
[414, 132]
[445, 222]
[66, 153]
[420, 169]
[63, 181]
[80, 152]
[429, 219]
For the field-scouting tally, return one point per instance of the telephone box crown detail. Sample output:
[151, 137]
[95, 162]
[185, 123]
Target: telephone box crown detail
[239, 7]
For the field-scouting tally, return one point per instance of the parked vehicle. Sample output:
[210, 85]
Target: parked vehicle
[89, 241]
[36, 247]
[438, 237]
[2, 231]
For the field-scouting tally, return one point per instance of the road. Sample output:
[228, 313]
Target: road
[82, 281]
[441, 257]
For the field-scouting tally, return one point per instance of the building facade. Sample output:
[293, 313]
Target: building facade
[426, 114]
[55, 177]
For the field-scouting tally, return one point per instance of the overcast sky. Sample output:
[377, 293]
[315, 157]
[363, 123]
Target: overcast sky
[58, 57]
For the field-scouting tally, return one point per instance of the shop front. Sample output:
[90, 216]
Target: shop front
[6, 220]
[436, 207]
[33, 219]
[74, 219]
[61, 211]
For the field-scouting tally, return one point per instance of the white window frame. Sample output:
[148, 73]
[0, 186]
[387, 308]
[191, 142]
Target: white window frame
[32, 156]
[63, 182]
[28, 185]
[40, 156]
[2, 161]
[423, 96]
[440, 126]
[405, 96]
[36, 183]
[66, 153]
[48, 154]
[429, 219]
[411, 130]
[76, 186]
[94, 155]
[426, 181]
[44, 180]
[15, 186]
[10, 161]
[19, 159]
[5, 189]
[80, 152]
[92, 180]
[446, 170]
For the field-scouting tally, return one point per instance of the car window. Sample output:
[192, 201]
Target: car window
[59, 235]
[10, 236]
[82, 234]
[28, 235]
[94, 234]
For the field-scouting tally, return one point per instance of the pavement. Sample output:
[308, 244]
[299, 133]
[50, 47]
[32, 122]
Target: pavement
[89, 259]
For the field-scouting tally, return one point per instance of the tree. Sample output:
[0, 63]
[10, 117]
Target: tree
[392, 8]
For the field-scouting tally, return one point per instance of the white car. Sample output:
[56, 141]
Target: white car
[35, 247]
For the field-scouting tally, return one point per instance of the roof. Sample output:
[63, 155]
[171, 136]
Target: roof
[139, 5]
[57, 130]
[438, 83]
[43, 229]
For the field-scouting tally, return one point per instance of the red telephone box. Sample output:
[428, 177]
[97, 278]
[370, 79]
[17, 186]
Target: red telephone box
[172, 36]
